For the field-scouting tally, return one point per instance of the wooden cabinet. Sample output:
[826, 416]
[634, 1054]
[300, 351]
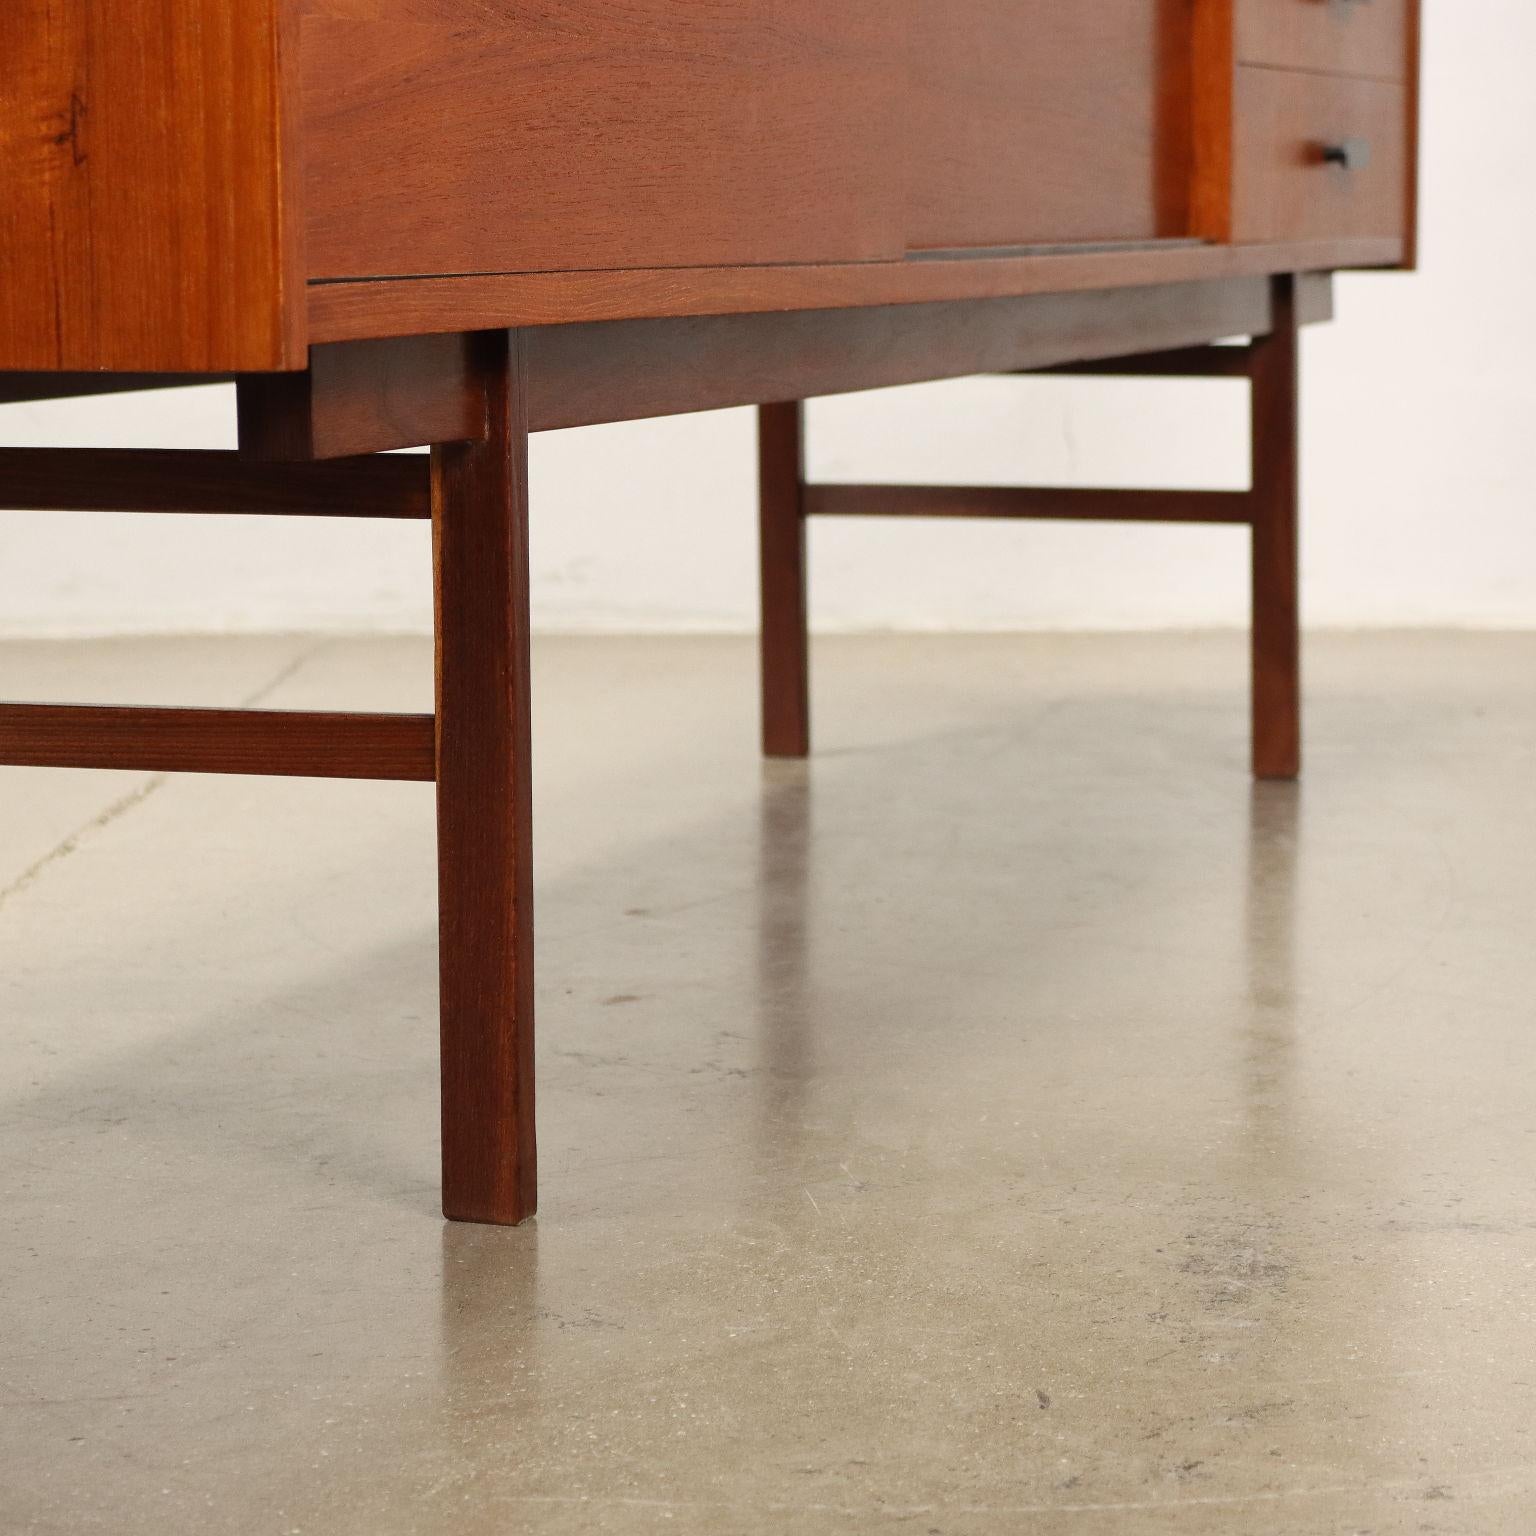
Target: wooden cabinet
[457, 222]
[198, 186]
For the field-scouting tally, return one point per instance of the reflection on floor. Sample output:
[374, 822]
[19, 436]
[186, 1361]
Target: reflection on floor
[1011, 1120]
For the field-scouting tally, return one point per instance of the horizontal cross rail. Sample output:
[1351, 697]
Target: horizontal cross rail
[268, 742]
[212, 481]
[1002, 502]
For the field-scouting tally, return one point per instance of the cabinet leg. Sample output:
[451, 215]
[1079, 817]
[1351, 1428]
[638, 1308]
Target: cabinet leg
[1276, 566]
[485, 801]
[785, 635]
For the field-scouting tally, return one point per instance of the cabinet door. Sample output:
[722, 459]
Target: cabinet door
[463, 136]
[1040, 122]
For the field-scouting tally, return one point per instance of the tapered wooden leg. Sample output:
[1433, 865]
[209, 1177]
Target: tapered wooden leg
[485, 801]
[1276, 565]
[785, 634]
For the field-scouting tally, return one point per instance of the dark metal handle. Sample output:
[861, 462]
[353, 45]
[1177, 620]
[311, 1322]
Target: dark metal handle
[1352, 154]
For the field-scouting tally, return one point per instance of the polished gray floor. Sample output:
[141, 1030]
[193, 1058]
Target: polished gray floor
[1011, 1121]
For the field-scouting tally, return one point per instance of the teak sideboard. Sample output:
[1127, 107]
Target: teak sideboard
[450, 223]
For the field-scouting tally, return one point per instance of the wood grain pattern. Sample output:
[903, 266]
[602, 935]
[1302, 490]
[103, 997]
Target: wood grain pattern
[143, 156]
[485, 801]
[1276, 375]
[250, 741]
[1038, 503]
[1281, 186]
[785, 638]
[1030, 121]
[1211, 113]
[210, 481]
[634, 369]
[541, 134]
[1343, 37]
[338, 311]
[363, 397]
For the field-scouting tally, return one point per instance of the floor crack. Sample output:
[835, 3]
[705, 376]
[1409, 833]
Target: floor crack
[135, 798]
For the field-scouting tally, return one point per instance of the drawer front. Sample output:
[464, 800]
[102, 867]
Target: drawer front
[1284, 186]
[1037, 122]
[540, 135]
[1344, 37]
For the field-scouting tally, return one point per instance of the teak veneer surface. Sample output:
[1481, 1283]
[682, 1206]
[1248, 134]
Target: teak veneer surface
[144, 172]
[1029, 121]
[579, 134]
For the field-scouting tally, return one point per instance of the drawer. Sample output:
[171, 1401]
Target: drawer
[1343, 37]
[1284, 186]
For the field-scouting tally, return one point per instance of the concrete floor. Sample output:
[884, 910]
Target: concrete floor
[1011, 1122]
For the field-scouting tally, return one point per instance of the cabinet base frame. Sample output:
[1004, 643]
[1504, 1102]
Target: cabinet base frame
[312, 446]
[1269, 508]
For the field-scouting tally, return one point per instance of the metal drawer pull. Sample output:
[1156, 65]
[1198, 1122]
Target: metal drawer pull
[1352, 154]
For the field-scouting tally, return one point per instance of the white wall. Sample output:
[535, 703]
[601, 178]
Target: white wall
[1420, 465]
